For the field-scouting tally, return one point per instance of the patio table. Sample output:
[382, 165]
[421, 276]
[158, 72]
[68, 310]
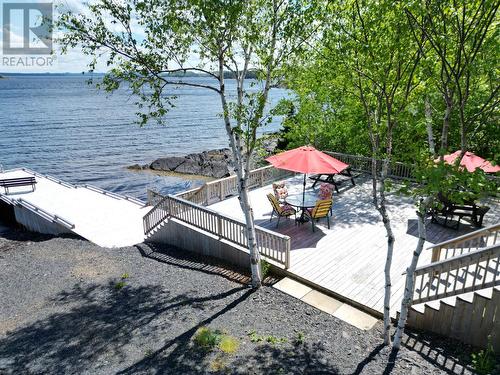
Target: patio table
[302, 202]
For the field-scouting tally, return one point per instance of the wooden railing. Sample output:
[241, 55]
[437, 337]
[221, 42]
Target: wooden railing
[271, 245]
[463, 273]
[396, 170]
[218, 190]
[466, 243]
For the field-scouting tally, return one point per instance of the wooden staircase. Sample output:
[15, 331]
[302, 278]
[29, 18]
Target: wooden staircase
[458, 294]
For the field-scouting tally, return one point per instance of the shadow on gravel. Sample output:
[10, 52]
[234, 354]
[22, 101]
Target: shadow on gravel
[192, 261]
[101, 326]
[302, 359]
[450, 356]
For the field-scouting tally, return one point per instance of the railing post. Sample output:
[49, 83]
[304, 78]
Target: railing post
[219, 225]
[287, 253]
[436, 254]
[262, 177]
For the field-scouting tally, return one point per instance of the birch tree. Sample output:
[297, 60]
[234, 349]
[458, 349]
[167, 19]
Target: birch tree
[380, 56]
[459, 34]
[145, 42]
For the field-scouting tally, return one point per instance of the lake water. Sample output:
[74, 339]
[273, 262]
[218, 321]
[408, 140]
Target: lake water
[60, 125]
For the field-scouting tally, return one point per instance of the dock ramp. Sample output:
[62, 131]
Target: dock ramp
[55, 207]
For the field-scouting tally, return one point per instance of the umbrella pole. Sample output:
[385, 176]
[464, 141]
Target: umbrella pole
[302, 215]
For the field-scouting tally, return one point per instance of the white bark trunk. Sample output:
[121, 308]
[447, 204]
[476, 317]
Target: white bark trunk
[252, 239]
[428, 124]
[242, 175]
[410, 279]
[390, 250]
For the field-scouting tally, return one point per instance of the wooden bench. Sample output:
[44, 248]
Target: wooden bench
[15, 182]
[334, 179]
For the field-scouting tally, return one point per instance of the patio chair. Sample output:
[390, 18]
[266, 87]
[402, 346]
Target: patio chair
[320, 210]
[279, 209]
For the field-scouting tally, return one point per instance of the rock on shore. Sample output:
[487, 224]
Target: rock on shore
[213, 163]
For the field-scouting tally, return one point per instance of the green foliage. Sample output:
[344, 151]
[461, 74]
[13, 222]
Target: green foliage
[207, 338]
[438, 180]
[254, 337]
[484, 362]
[364, 62]
[300, 339]
[125, 276]
[270, 339]
[265, 268]
[229, 345]
[120, 285]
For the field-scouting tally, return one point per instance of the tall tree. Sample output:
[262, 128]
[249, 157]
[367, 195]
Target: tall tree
[145, 41]
[379, 54]
[459, 33]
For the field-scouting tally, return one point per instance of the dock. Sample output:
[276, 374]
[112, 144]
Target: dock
[56, 207]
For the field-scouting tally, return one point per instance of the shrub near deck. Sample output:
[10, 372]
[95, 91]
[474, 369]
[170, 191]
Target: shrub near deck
[61, 313]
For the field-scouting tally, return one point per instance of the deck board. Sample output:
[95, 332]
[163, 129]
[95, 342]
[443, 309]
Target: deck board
[349, 258]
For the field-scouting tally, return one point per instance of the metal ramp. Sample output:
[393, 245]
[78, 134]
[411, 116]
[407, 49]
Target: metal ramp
[55, 207]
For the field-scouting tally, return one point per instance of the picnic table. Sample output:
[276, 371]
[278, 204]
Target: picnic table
[335, 179]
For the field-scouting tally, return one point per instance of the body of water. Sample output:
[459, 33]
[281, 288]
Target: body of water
[60, 125]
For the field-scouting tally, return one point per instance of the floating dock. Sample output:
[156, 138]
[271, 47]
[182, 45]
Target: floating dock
[56, 207]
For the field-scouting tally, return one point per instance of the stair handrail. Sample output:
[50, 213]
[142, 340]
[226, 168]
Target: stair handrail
[457, 244]
[156, 215]
[444, 274]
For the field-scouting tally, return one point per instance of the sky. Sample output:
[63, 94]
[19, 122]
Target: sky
[73, 62]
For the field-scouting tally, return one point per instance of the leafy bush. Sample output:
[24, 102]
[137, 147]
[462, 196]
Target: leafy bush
[484, 361]
[265, 268]
[207, 338]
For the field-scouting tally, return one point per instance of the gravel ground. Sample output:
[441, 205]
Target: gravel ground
[61, 312]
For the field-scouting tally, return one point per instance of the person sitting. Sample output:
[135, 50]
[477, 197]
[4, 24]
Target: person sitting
[326, 193]
[280, 190]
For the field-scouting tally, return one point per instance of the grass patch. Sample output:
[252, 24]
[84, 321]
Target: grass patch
[270, 339]
[209, 339]
[119, 285]
[229, 344]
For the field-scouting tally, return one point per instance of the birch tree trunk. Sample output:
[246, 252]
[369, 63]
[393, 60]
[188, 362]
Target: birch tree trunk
[241, 167]
[446, 120]
[390, 250]
[410, 279]
[428, 125]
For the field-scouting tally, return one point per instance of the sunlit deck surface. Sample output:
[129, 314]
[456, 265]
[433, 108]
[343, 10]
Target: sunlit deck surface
[348, 259]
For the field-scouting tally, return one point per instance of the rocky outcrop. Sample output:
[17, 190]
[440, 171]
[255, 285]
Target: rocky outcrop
[213, 163]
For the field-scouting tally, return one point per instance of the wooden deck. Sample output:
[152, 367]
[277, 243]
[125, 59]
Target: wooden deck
[348, 259]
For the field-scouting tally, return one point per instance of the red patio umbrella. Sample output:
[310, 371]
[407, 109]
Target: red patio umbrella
[471, 162]
[306, 159]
